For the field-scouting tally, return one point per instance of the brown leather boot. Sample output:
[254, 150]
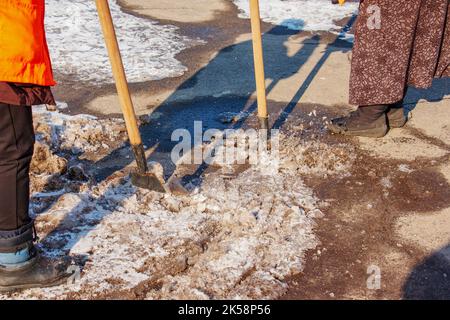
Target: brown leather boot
[366, 121]
[396, 115]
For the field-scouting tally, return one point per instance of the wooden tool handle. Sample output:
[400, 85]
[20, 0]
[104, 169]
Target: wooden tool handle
[118, 71]
[258, 59]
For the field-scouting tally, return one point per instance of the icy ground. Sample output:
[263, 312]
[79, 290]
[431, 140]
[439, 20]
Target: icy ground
[77, 46]
[308, 15]
[230, 238]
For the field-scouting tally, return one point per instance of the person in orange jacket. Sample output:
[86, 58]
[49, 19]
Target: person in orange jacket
[25, 79]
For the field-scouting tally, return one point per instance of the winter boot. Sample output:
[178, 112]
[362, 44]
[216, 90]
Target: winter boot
[396, 115]
[366, 121]
[35, 272]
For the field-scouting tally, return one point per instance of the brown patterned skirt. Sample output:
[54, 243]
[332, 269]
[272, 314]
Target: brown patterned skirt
[406, 44]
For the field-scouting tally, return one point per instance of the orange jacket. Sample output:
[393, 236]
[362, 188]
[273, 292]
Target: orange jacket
[24, 56]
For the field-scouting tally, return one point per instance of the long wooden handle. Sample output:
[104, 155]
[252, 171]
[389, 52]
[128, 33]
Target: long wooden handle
[258, 59]
[118, 72]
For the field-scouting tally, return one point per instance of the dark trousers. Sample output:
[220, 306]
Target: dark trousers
[16, 150]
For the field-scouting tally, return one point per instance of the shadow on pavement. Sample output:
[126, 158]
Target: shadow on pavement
[211, 92]
[439, 91]
[430, 280]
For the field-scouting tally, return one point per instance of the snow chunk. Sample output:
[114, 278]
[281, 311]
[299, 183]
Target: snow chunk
[307, 15]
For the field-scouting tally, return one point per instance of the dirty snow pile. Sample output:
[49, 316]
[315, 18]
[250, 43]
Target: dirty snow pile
[65, 146]
[308, 15]
[77, 46]
[229, 238]
[80, 134]
[316, 157]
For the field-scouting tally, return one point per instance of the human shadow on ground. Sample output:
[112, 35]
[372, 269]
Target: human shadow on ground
[430, 279]
[439, 91]
[339, 45]
[225, 85]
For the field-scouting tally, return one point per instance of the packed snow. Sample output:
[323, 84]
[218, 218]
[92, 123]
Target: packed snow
[77, 47]
[307, 15]
[235, 237]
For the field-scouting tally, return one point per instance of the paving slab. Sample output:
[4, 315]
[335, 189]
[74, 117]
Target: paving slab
[430, 231]
[400, 144]
[178, 10]
[432, 119]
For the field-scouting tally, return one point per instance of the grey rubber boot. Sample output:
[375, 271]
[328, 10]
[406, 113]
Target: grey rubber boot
[396, 115]
[367, 121]
[38, 272]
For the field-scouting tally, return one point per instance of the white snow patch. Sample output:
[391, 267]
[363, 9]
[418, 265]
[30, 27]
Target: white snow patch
[386, 182]
[77, 47]
[404, 168]
[307, 15]
[79, 133]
